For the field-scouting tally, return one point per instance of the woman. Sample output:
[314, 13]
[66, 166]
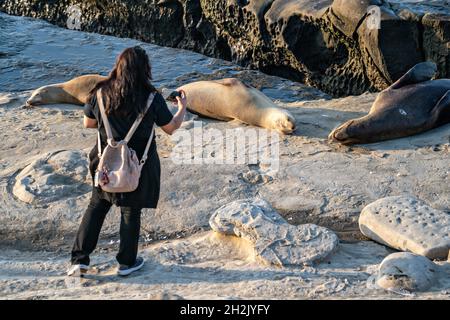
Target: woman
[125, 94]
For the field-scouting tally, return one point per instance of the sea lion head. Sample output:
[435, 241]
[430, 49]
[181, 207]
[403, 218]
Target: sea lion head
[351, 132]
[39, 97]
[285, 122]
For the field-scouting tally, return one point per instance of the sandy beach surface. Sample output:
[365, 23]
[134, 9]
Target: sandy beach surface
[317, 182]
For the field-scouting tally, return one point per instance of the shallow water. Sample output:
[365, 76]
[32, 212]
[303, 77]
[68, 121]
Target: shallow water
[425, 6]
[417, 1]
[34, 53]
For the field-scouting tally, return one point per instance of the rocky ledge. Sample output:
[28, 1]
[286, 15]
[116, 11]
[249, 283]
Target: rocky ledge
[339, 46]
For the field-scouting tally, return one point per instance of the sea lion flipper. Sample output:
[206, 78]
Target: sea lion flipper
[441, 111]
[421, 72]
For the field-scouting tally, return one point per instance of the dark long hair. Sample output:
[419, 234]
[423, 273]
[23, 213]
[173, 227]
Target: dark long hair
[128, 85]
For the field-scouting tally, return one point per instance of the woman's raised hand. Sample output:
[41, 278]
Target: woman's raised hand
[178, 118]
[182, 101]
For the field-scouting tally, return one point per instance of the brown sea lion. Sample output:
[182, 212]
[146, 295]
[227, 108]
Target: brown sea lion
[230, 99]
[412, 105]
[74, 91]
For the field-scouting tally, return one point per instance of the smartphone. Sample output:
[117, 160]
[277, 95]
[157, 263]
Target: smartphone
[173, 96]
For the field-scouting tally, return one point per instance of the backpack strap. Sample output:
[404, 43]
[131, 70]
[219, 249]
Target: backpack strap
[149, 142]
[99, 144]
[147, 148]
[139, 119]
[103, 115]
[105, 118]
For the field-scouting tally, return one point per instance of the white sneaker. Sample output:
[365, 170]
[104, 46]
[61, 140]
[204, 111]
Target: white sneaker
[77, 270]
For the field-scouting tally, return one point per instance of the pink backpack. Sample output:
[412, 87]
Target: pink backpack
[119, 168]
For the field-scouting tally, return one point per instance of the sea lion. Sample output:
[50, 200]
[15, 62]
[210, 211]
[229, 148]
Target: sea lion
[230, 99]
[74, 91]
[412, 105]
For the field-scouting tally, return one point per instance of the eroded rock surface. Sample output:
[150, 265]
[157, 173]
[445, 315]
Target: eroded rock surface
[276, 242]
[408, 224]
[53, 177]
[341, 47]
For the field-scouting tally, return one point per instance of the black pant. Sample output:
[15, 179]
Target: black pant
[89, 231]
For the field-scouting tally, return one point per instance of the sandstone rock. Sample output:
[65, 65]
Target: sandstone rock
[296, 25]
[406, 271]
[254, 177]
[53, 177]
[276, 242]
[382, 46]
[347, 15]
[408, 224]
[323, 43]
[285, 9]
[436, 38]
